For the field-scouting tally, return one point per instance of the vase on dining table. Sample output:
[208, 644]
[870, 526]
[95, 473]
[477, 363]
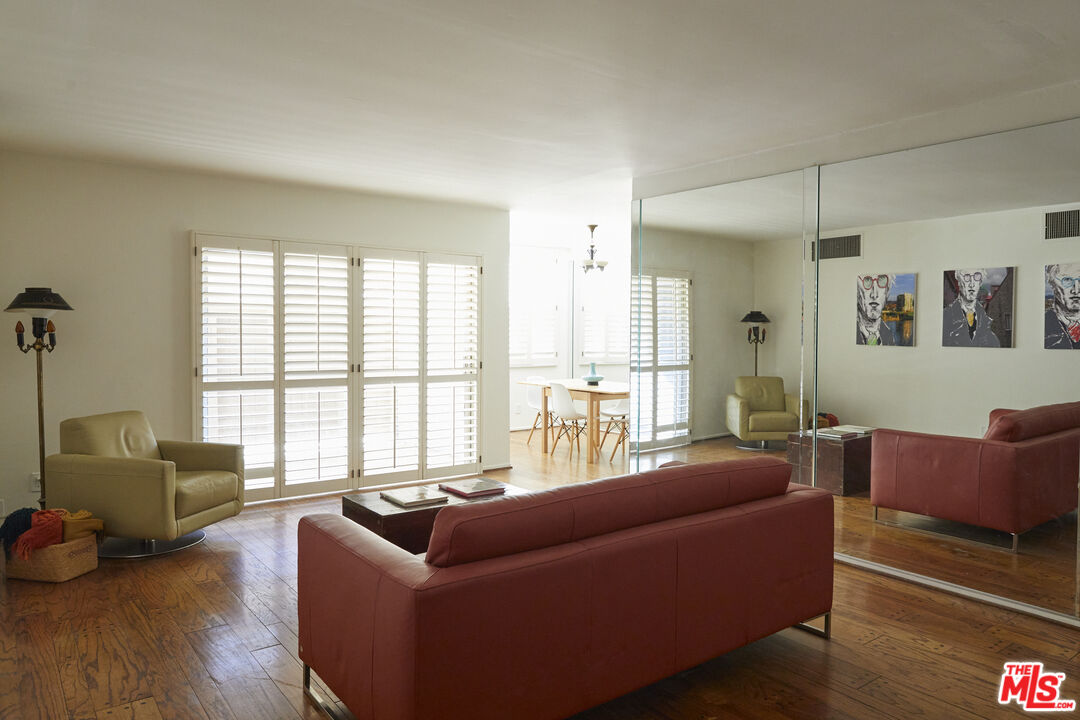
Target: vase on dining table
[592, 378]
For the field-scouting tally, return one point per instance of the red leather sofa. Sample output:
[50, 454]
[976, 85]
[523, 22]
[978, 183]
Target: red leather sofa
[1022, 473]
[537, 606]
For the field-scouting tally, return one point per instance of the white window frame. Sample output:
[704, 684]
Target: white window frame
[354, 382]
[654, 368]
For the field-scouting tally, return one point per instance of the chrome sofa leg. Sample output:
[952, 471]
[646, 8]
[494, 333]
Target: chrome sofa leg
[320, 702]
[825, 633]
[1016, 542]
[875, 513]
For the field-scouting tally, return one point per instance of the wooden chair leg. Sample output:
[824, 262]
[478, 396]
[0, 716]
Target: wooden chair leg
[606, 431]
[536, 424]
[557, 437]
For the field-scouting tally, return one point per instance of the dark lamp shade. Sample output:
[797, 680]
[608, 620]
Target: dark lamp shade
[38, 302]
[755, 317]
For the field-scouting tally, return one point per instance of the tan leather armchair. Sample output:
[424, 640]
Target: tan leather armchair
[760, 411]
[143, 488]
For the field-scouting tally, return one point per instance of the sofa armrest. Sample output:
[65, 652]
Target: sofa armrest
[793, 406]
[738, 416]
[356, 596]
[135, 497]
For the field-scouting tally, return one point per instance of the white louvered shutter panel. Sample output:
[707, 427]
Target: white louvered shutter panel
[390, 353]
[673, 358]
[236, 337]
[537, 280]
[604, 322]
[315, 308]
[660, 360]
[452, 360]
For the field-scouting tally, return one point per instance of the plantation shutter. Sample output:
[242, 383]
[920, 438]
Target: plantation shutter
[390, 364]
[315, 302]
[672, 384]
[660, 360]
[235, 372]
[605, 335]
[537, 278]
[452, 359]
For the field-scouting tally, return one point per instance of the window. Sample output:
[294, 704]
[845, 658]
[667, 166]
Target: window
[538, 288]
[275, 371]
[660, 360]
[604, 323]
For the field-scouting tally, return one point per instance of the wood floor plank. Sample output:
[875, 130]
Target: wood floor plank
[77, 697]
[287, 674]
[174, 646]
[236, 614]
[41, 694]
[257, 698]
[224, 655]
[10, 674]
[114, 673]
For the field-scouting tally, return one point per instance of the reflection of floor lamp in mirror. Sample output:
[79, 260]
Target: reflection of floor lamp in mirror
[755, 334]
[39, 304]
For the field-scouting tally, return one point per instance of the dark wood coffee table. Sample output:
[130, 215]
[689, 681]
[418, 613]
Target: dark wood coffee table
[408, 528]
[843, 465]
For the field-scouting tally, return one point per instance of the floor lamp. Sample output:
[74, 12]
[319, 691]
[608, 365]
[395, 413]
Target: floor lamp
[755, 334]
[39, 304]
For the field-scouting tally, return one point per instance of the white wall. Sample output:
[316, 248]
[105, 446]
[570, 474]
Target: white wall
[723, 291]
[930, 388]
[113, 239]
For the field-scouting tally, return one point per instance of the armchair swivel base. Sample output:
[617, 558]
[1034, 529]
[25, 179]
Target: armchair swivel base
[121, 547]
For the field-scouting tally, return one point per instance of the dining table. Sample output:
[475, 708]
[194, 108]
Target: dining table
[592, 395]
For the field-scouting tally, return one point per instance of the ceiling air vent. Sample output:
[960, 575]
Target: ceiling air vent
[839, 247]
[1064, 224]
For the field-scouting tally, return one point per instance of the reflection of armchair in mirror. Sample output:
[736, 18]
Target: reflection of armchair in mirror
[760, 411]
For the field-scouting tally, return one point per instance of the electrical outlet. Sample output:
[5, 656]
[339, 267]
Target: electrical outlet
[35, 482]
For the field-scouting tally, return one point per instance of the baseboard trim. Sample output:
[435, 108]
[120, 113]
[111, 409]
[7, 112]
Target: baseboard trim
[702, 438]
[498, 466]
[965, 592]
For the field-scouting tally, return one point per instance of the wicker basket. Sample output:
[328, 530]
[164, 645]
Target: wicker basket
[56, 563]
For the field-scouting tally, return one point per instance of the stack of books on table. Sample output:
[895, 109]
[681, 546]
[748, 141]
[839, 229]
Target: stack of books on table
[844, 432]
[414, 496]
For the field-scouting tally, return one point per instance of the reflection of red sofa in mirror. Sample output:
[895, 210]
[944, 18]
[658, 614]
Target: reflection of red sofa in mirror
[1022, 473]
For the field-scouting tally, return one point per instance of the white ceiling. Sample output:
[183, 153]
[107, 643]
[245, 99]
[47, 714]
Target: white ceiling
[494, 101]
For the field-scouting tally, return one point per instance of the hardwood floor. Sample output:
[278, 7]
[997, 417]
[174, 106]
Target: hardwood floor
[210, 632]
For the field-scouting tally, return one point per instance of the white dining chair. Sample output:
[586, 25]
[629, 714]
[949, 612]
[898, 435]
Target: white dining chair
[534, 397]
[618, 417]
[571, 420]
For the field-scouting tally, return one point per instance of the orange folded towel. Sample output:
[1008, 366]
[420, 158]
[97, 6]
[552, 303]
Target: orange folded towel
[81, 524]
[46, 528]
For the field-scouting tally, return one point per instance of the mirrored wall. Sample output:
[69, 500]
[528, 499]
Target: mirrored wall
[926, 302]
